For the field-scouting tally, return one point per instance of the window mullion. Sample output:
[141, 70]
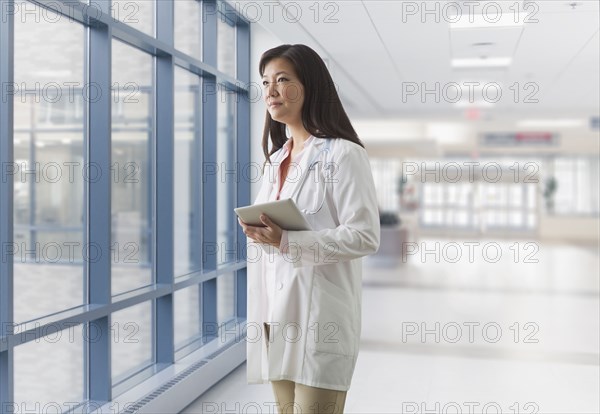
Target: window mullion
[210, 249]
[164, 192]
[98, 154]
[6, 203]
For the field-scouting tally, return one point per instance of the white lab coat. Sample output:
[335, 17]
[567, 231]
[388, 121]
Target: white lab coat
[317, 308]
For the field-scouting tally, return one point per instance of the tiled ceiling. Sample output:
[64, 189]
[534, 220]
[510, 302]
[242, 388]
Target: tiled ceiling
[377, 49]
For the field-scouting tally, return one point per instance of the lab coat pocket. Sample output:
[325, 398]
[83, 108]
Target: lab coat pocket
[330, 327]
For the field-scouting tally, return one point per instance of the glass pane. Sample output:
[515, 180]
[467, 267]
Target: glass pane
[594, 173]
[428, 196]
[225, 297]
[493, 194]
[438, 216]
[516, 219]
[462, 219]
[226, 183]
[131, 331]
[502, 194]
[531, 196]
[48, 170]
[515, 195]
[136, 13]
[226, 46]
[130, 169]
[427, 217]
[432, 217]
[188, 28]
[564, 173]
[490, 218]
[187, 184]
[465, 191]
[187, 315]
[49, 372]
[451, 194]
[582, 188]
[501, 218]
[432, 194]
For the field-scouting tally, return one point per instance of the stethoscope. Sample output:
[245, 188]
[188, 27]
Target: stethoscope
[311, 165]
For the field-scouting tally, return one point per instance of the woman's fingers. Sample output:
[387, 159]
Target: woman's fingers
[260, 233]
[268, 222]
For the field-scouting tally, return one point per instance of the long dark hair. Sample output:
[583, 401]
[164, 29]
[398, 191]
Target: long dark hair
[322, 112]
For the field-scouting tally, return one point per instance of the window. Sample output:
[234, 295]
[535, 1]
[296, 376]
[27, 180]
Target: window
[131, 168]
[387, 177]
[228, 172]
[226, 44]
[48, 164]
[136, 13]
[188, 15]
[113, 209]
[187, 181]
[576, 186]
[486, 194]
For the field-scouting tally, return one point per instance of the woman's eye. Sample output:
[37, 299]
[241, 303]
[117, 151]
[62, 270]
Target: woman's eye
[265, 83]
[281, 79]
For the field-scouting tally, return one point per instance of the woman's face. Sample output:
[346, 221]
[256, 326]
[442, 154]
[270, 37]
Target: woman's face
[282, 91]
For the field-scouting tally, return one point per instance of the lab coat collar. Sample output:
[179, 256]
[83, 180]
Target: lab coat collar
[314, 142]
[300, 169]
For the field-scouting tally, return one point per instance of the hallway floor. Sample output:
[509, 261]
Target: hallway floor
[517, 333]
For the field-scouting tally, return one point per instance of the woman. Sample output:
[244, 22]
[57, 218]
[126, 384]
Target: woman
[304, 287]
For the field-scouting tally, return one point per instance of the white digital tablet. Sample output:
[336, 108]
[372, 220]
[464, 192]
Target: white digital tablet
[284, 213]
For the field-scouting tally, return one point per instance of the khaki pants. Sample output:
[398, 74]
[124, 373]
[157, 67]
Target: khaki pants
[295, 398]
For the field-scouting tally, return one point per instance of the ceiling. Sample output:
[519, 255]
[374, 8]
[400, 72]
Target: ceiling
[384, 55]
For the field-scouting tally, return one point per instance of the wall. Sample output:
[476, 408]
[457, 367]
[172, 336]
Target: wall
[261, 40]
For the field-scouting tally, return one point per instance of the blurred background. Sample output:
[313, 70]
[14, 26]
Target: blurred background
[482, 125]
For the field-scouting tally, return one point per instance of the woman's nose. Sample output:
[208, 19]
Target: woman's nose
[271, 90]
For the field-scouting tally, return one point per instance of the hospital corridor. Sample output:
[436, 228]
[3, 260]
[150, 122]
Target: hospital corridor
[440, 161]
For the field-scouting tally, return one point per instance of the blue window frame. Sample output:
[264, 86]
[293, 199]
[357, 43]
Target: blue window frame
[170, 108]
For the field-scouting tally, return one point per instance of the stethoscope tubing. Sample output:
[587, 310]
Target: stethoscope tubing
[311, 164]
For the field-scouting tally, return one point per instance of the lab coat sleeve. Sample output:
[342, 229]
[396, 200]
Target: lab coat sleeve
[355, 200]
[283, 244]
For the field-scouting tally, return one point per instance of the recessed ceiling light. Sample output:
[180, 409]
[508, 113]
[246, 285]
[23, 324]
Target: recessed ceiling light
[481, 62]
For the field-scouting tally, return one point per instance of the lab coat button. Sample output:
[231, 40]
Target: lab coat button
[280, 285]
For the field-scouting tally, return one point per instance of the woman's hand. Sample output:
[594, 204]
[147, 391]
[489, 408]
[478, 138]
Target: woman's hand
[270, 235]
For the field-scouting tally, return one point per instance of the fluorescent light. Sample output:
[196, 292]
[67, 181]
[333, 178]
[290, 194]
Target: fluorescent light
[551, 123]
[490, 20]
[481, 62]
